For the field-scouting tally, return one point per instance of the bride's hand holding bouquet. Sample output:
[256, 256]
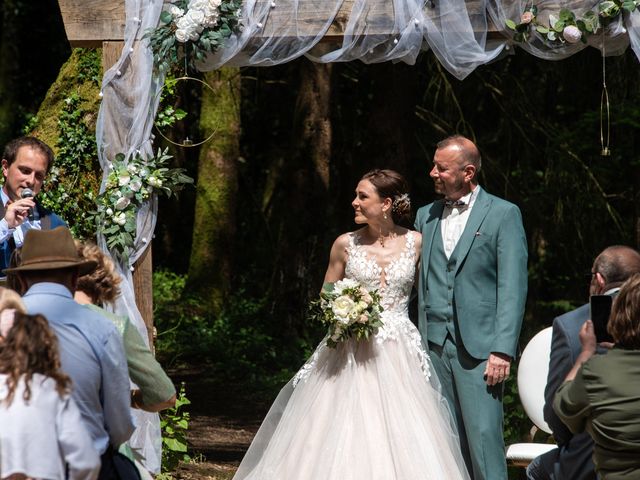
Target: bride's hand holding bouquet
[348, 310]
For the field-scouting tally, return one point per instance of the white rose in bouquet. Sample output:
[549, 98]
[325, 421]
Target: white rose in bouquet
[342, 307]
[122, 203]
[182, 35]
[153, 182]
[342, 285]
[135, 185]
[123, 178]
[196, 17]
[211, 20]
[190, 25]
[175, 11]
[198, 4]
[572, 34]
[120, 219]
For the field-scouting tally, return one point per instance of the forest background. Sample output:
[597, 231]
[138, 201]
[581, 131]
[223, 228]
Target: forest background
[238, 257]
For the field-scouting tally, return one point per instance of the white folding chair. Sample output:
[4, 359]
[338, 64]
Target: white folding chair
[532, 379]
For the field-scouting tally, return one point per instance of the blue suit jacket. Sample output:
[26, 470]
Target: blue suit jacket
[490, 287]
[572, 459]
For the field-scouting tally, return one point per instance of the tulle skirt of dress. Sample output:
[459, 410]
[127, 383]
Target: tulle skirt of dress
[361, 411]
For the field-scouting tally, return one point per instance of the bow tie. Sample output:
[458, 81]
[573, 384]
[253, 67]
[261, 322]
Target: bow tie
[455, 204]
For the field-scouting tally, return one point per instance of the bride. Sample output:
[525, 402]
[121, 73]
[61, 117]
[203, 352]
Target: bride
[365, 410]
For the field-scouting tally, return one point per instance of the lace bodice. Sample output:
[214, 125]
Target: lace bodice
[393, 282]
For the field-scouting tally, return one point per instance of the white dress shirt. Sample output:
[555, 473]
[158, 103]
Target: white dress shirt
[21, 230]
[454, 219]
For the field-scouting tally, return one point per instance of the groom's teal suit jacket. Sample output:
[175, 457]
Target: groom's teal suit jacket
[489, 276]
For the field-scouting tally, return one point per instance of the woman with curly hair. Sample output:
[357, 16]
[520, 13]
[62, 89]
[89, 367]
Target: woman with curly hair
[101, 287]
[42, 434]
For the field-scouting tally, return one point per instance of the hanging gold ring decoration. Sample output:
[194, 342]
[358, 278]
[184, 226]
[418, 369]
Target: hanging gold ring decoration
[605, 113]
[187, 142]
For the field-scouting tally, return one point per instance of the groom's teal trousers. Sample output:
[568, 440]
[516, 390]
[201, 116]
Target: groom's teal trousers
[481, 424]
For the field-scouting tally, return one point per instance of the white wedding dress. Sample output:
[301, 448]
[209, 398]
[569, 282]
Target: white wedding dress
[366, 410]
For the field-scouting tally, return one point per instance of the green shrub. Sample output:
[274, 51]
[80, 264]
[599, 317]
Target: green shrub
[174, 423]
[238, 343]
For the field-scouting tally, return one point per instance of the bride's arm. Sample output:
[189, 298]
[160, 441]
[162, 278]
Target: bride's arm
[337, 259]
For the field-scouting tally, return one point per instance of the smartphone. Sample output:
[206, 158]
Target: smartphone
[600, 306]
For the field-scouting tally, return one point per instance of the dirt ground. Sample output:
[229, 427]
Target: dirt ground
[224, 419]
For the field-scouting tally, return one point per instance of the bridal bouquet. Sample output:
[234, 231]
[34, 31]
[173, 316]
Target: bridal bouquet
[348, 310]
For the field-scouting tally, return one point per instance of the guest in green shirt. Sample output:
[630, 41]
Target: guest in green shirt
[155, 389]
[601, 394]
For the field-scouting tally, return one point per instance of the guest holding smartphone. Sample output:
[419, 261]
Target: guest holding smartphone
[601, 393]
[572, 459]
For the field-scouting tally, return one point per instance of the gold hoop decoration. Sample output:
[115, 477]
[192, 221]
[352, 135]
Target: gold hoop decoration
[187, 142]
[604, 108]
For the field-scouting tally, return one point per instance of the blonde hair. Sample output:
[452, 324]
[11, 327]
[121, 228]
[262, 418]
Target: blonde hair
[10, 299]
[103, 284]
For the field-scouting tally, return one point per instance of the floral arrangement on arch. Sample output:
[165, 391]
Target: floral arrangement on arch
[567, 27]
[192, 28]
[348, 310]
[131, 182]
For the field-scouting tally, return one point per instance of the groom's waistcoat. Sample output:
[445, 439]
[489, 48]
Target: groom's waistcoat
[441, 304]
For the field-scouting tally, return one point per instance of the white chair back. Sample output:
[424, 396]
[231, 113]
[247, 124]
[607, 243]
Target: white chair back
[532, 377]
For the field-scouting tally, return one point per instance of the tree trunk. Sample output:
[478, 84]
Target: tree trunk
[8, 67]
[392, 118]
[211, 261]
[301, 258]
[31, 53]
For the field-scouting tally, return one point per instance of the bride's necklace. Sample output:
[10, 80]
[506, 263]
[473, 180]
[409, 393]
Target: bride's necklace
[383, 238]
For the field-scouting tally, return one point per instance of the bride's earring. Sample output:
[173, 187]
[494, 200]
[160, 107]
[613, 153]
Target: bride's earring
[385, 215]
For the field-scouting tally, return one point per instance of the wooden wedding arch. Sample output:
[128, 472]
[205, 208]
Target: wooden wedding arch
[100, 24]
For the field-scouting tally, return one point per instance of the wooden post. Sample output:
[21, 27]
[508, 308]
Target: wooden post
[143, 290]
[143, 268]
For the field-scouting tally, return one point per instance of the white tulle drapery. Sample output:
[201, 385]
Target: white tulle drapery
[457, 31]
[277, 31]
[129, 101]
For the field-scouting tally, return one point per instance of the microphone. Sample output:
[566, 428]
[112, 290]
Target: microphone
[28, 193]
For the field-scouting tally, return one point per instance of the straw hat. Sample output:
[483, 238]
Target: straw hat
[51, 250]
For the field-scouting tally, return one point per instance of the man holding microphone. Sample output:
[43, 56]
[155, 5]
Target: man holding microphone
[25, 164]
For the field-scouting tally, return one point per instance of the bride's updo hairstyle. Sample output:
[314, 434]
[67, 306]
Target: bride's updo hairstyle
[390, 184]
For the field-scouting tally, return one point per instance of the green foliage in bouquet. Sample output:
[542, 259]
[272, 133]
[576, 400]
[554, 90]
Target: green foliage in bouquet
[348, 310]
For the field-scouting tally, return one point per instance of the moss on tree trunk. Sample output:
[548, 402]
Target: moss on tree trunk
[66, 121]
[214, 225]
[73, 78]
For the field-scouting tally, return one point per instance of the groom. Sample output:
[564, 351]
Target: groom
[472, 293]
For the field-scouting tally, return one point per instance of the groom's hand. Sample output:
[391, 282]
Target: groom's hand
[498, 368]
